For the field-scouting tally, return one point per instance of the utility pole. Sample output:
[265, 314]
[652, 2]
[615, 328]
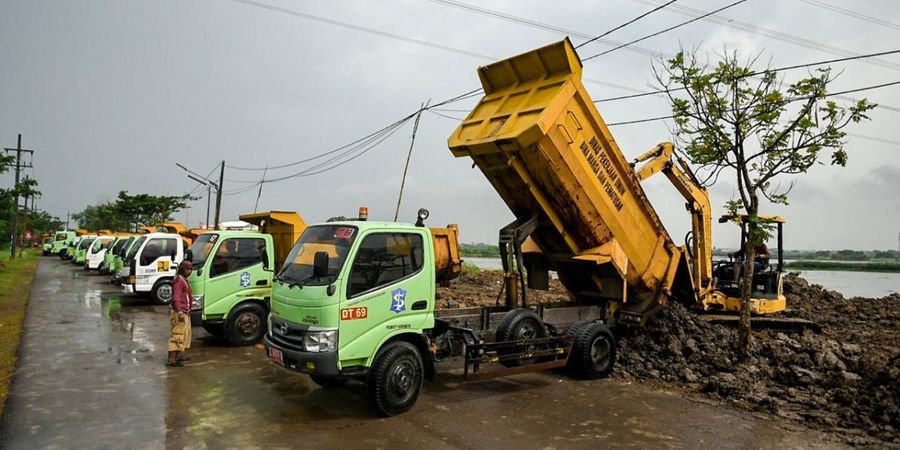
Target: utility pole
[15, 222]
[67, 220]
[408, 156]
[219, 194]
[208, 195]
[261, 183]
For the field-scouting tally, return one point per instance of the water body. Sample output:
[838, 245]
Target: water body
[851, 284]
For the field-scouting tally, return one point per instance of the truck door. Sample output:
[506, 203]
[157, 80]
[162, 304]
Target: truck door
[159, 257]
[236, 273]
[388, 289]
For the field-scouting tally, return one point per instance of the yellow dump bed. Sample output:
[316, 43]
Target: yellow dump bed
[447, 260]
[543, 146]
[284, 226]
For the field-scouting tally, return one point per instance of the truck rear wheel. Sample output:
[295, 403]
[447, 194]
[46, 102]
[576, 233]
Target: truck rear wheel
[161, 293]
[395, 379]
[593, 352]
[246, 325]
[516, 325]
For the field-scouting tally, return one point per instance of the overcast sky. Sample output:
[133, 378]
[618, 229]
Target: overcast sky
[111, 94]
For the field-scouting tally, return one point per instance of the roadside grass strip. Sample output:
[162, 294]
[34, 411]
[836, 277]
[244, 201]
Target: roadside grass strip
[15, 285]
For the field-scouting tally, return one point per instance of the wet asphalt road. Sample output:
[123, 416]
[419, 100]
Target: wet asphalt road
[91, 375]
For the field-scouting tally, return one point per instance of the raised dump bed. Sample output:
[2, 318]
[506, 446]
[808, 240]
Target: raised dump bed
[543, 146]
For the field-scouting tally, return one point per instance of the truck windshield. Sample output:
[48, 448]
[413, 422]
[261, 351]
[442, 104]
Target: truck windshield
[84, 243]
[134, 248]
[201, 248]
[335, 240]
[121, 248]
[61, 236]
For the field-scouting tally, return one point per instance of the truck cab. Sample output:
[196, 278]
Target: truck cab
[46, 244]
[78, 257]
[97, 251]
[60, 241]
[152, 265]
[347, 292]
[118, 270]
[232, 284]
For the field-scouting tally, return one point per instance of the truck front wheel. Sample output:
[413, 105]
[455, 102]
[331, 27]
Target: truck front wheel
[593, 352]
[246, 324]
[395, 379]
[161, 293]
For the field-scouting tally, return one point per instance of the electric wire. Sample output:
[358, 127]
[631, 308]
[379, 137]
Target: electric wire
[777, 69]
[851, 13]
[773, 34]
[730, 5]
[833, 94]
[625, 24]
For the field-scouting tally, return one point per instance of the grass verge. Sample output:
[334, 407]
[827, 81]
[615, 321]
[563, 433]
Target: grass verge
[15, 285]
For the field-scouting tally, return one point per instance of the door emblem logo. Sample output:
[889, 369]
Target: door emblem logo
[398, 300]
[245, 279]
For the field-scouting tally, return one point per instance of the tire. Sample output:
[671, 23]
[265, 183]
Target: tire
[328, 382]
[519, 324]
[161, 293]
[593, 353]
[101, 269]
[214, 329]
[395, 379]
[245, 325]
[62, 254]
[573, 329]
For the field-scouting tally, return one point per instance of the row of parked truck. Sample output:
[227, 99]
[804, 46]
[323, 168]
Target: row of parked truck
[355, 299]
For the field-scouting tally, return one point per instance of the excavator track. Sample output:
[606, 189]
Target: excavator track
[763, 322]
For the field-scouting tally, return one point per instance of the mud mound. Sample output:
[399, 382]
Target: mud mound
[847, 377]
[483, 289]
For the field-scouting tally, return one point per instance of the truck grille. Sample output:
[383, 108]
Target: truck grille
[287, 336]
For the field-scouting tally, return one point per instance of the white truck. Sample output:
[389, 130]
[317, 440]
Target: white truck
[152, 263]
[97, 251]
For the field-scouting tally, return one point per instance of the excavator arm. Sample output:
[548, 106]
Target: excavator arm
[662, 159]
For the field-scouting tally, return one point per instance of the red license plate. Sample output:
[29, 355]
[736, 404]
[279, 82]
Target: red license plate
[276, 356]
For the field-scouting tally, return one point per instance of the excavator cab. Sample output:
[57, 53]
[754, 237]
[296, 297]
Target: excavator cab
[766, 295]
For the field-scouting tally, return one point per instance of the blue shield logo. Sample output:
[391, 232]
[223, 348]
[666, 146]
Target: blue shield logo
[245, 279]
[398, 300]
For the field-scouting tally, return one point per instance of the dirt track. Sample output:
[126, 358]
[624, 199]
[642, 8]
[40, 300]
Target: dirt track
[845, 380]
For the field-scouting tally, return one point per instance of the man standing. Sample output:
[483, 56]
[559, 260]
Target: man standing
[180, 316]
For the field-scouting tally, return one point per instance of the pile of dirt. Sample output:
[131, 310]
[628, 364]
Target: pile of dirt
[483, 289]
[847, 377]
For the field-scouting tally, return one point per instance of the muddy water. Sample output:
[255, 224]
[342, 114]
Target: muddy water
[91, 375]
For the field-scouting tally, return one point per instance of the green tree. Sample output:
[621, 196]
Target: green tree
[748, 123]
[146, 209]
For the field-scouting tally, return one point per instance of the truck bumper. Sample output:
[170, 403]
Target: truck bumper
[321, 363]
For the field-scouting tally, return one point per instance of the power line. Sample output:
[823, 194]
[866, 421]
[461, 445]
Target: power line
[778, 69]
[852, 13]
[361, 28]
[625, 24]
[773, 34]
[540, 25]
[730, 5]
[329, 152]
[876, 139]
[866, 88]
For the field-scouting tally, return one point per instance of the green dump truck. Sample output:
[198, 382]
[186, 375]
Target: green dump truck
[233, 270]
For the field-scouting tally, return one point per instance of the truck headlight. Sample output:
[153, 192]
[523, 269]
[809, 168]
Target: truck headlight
[320, 341]
[196, 302]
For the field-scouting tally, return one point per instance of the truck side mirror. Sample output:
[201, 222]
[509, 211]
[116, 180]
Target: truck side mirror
[265, 259]
[189, 255]
[320, 265]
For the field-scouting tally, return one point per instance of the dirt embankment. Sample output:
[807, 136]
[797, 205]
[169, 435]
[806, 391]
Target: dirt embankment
[845, 379]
